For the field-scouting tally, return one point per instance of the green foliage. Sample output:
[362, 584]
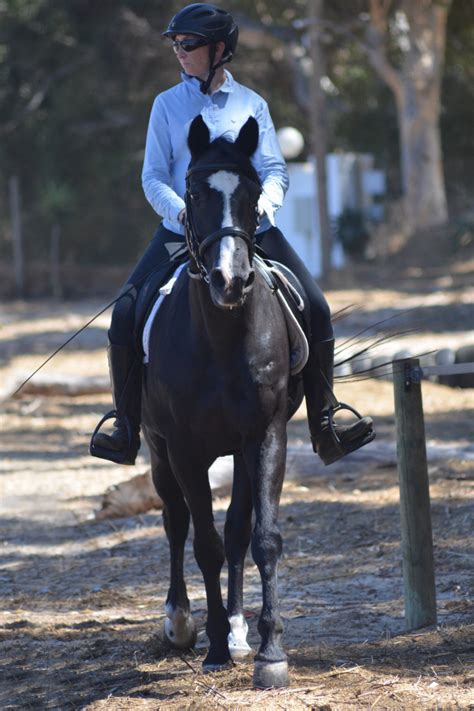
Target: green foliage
[78, 78]
[352, 233]
[77, 81]
[56, 200]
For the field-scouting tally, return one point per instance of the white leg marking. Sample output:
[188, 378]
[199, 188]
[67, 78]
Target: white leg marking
[237, 638]
[180, 628]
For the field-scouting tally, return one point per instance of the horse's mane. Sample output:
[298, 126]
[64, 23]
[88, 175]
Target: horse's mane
[228, 153]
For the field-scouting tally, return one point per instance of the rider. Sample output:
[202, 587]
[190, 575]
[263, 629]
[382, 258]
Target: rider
[204, 39]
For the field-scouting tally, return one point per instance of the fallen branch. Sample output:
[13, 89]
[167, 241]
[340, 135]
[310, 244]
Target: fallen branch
[55, 385]
[138, 495]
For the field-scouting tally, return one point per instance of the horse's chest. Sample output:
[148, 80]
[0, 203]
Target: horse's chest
[220, 393]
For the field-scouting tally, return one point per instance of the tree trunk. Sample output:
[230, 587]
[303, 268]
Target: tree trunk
[421, 36]
[418, 105]
[421, 159]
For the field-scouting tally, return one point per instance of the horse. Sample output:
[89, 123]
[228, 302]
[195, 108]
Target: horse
[218, 382]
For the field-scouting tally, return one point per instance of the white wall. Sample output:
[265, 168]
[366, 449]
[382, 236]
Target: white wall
[351, 183]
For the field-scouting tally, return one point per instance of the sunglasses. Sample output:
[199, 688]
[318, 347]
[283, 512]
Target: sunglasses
[189, 45]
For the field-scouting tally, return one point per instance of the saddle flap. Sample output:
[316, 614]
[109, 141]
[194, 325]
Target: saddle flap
[294, 306]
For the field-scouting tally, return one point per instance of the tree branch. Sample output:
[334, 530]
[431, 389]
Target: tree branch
[375, 44]
[39, 96]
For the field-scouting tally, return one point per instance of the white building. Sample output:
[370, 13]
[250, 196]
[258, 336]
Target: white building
[352, 182]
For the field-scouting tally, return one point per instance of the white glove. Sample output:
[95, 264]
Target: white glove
[265, 207]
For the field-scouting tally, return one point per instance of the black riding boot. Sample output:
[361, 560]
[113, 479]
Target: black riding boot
[123, 444]
[330, 440]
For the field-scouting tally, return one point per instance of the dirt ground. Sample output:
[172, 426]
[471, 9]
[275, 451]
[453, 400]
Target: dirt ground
[82, 603]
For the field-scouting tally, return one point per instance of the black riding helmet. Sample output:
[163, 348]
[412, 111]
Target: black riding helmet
[211, 23]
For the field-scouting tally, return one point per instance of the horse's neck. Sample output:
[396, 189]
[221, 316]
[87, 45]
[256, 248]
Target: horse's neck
[223, 330]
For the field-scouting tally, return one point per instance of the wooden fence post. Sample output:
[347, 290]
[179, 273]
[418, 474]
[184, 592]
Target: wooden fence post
[415, 511]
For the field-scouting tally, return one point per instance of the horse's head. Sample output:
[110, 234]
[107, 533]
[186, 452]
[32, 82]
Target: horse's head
[222, 191]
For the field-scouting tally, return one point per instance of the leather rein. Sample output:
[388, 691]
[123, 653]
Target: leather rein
[198, 247]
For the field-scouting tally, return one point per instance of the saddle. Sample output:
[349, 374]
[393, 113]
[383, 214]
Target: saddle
[279, 279]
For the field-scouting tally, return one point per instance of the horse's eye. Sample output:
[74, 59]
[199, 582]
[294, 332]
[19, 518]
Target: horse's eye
[194, 196]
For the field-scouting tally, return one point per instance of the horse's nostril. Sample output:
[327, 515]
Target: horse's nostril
[250, 279]
[217, 279]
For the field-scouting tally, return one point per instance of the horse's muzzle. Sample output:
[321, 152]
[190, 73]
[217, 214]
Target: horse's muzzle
[230, 292]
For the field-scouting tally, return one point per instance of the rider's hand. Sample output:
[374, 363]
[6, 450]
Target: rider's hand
[265, 207]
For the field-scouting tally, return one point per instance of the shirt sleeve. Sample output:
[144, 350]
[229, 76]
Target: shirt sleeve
[270, 164]
[156, 175]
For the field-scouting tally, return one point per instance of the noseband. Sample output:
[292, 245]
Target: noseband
[198, 247]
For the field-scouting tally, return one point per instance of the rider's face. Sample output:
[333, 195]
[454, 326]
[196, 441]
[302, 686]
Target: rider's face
[195, 63]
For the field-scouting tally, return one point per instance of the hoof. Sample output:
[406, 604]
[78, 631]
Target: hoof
[270, 675]
[238, 654]
[180, 628]
[209, 667]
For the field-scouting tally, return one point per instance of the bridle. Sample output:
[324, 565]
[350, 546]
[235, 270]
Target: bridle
[198, 247]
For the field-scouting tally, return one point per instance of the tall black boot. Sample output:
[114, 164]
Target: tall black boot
[123, 444]
[330, 440]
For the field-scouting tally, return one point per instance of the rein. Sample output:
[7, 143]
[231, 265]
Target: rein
[198, 247]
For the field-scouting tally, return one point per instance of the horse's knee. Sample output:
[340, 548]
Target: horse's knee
[176, 514]
[209, 552]
[237, 535]
[266, 548]
[167, 488]
[176, 523]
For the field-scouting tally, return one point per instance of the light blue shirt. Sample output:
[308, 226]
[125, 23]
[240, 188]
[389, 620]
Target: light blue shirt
[225, 111]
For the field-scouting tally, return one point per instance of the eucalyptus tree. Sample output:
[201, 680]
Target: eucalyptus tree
[404, 42]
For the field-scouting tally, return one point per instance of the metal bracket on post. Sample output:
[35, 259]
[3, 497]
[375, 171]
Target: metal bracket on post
[413, 374]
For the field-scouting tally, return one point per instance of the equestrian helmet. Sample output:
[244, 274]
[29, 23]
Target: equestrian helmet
[207, 21]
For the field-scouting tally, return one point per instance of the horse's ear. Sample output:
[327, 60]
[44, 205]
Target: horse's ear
[247, 140]
[198, 137]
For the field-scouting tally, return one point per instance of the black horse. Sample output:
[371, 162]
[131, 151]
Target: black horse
[218, 382]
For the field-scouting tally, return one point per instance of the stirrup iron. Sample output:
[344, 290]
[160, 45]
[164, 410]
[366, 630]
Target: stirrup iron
[342, 448]
[111, 454]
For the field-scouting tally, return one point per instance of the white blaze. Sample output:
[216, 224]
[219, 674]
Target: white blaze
[226, 183]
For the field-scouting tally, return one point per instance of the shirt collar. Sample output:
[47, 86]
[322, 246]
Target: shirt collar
[227, 86]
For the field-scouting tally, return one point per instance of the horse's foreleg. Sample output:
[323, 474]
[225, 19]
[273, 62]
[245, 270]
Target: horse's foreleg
[237, 533]
[180, 628]
[266, 465]
[209, 553]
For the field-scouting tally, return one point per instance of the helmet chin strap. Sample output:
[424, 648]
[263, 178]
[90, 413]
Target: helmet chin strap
[206, 83]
